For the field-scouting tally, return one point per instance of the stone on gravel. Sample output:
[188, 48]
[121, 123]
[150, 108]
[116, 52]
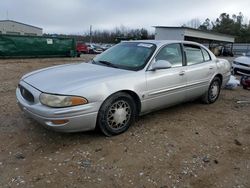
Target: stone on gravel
[237, 142]
[205, 159]
[98, 149]
[19, 155]
[85, 163]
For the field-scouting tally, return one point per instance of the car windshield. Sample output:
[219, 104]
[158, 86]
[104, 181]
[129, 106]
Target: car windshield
[127, 55]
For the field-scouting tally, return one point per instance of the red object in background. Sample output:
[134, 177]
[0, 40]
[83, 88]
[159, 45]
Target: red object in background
[245, 82]
[81, 48]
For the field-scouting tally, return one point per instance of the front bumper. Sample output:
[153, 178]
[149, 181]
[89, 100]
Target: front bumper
[238, 69]
[80, 118]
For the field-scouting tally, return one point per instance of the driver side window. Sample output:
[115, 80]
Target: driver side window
[171, 53]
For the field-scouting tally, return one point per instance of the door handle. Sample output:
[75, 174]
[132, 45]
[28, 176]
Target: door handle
[182, 73]
[211, 68]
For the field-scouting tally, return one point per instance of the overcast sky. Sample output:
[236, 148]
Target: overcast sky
[75, 16]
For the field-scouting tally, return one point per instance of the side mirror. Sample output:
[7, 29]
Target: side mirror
[161, 64]
[244, 54]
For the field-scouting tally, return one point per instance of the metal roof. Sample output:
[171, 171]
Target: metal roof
[197, 33]
[162, 42]
[20, 23]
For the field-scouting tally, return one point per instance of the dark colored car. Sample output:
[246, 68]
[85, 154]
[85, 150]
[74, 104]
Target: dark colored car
[225, 51]
[81, 48]
[245, 82]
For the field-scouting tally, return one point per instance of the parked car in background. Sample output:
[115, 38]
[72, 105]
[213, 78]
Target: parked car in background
[130, 79]
[106, 46]
[245, 81]
[94, 49]
[241, 64]
[81, 48]
[226, 51]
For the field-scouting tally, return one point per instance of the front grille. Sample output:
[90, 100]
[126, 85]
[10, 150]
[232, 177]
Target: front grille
[26, 94]
[236, 70]
[242, 64]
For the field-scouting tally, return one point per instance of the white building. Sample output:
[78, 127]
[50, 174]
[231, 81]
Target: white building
[186, 33]
[214, 41]
[11, 27]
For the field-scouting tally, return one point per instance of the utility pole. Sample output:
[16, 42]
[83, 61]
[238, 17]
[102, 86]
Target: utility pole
[7, 15]
[90, 33]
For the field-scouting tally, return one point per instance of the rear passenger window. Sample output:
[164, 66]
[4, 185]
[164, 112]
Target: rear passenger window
[171, 53]
[206, 55]
[194, 54]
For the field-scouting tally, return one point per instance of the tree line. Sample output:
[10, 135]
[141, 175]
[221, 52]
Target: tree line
[231, 25]
[111, 36]
[226, 24]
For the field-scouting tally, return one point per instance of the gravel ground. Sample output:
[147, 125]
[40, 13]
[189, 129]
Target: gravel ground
[189, 145]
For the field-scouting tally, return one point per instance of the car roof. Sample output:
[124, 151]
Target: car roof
[160, 43]
[163, 42]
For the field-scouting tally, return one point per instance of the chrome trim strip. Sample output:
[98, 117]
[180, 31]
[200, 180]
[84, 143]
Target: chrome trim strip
[176, 88]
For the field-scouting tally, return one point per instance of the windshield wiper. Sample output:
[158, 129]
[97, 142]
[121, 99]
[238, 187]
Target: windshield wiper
[108, 64]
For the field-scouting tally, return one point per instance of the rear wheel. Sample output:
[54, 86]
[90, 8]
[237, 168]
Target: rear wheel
[116, 114]
[213, 91]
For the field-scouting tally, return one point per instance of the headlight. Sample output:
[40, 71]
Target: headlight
[61, 101]
[236, 63]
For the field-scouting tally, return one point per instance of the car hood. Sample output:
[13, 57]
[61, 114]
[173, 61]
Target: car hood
[243, 59]
[65, 78]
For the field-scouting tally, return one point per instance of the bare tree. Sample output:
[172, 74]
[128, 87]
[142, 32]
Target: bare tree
[193, 23]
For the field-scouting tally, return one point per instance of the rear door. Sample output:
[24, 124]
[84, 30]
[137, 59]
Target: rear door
[166, 87]
[199, 70]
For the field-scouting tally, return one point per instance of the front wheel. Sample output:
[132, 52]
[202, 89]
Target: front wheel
[213, 91]
[116, 114]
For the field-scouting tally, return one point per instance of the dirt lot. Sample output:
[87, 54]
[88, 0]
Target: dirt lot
[190, 145]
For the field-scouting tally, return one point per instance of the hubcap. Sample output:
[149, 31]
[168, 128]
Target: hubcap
[214, 91]
[119, 114]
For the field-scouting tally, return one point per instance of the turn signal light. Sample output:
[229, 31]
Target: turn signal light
[78, 101]
[59, 122]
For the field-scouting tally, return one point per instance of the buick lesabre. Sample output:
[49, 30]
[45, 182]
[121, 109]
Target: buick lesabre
[128, 80]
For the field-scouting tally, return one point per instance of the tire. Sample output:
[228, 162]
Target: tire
[116, 114]
[241, 80]
[213, 91]
[244, 87]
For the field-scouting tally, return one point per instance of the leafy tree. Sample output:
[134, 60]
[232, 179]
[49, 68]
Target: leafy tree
[232, 25]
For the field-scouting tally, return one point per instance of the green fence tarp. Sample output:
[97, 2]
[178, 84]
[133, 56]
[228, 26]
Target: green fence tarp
[12, 46]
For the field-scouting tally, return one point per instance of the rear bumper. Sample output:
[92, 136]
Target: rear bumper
[79, 118]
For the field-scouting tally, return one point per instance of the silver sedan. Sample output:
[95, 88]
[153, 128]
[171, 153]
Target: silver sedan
[128, 80]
